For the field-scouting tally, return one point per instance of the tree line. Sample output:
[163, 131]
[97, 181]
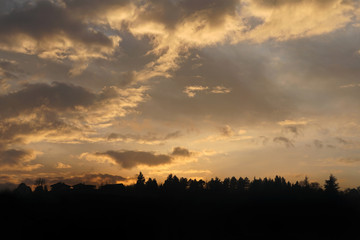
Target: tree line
[178, 208]
[174, 184]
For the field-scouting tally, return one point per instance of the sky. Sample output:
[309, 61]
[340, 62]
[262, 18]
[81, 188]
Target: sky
[97, 91]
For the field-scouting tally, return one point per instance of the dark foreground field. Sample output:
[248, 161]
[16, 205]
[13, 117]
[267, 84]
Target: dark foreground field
[185, 215]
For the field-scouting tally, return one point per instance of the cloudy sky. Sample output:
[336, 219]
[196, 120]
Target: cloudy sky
[96, 91]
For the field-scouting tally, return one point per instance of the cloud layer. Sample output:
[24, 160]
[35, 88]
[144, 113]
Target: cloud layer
[57, 112]
[80, 31]
[128, 159]
[235, 81]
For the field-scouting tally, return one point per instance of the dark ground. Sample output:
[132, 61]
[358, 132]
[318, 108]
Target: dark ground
[187, 215]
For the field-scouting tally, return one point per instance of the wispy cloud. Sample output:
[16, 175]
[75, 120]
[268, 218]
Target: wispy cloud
[283, 140]
[191, 91]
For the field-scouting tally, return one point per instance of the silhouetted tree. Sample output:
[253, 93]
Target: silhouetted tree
[22, 189]
[233, 184]
[172, 183]
[305, 183]
[331, 186]
[232, 207]
[226, 183]
[215, 185]
[243, 184]
[169, 181]
[280, 182]
[315, 186]
[40, 182]
[351, 192]
[183, 184]
[256, 185]
[151, 185]
[140, 183]
[40, 185]
[195, 185]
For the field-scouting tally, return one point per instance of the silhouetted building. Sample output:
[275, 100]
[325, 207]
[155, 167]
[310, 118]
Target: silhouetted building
[60, 187]
[83, 187]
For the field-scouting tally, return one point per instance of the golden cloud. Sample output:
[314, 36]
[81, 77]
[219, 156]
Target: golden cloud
[18, 159]
[79, 30]
[62, 112]
[50, 31]
[283, 20]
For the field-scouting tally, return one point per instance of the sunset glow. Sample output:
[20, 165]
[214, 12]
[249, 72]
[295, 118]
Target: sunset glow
[97, 91]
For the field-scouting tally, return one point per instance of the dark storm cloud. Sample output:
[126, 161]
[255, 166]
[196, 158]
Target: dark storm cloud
[45, 120]
[16, 131]
[40, 107]
[59, 110]
[91, 8]
[13, 157]
[283, 140]
[279, 3]
[17, 159]
[45, 20]
[182, 152]
[58, 96]
[171, 13]
[130, 159]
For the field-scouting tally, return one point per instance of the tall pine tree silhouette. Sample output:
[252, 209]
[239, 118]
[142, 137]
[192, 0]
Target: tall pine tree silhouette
[331, 186]
[140, 183]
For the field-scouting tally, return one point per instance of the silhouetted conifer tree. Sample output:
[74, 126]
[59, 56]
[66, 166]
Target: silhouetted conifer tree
[215, 184]
[183, 184]
[195, 185]
[151, 185]
[140, 183]
[233, 184]
[172, 183]
[226, 183]
[331, 186]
